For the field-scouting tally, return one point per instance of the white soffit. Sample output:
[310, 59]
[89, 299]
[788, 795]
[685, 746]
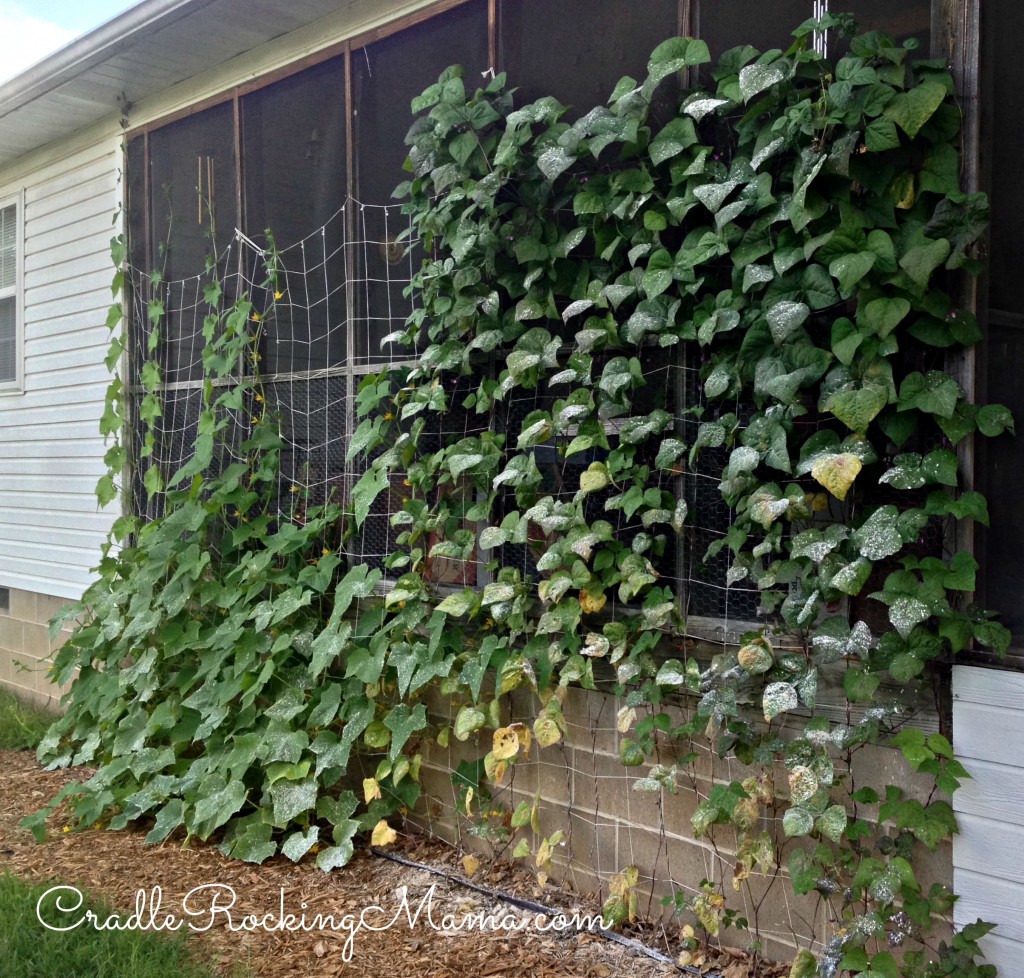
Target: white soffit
[148, 48]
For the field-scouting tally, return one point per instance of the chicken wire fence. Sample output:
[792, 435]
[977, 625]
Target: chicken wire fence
[339, 293]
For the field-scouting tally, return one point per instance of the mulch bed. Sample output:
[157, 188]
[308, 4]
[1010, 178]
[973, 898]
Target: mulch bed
[116, 865]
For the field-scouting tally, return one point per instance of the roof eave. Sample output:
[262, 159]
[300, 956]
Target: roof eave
[89, 50]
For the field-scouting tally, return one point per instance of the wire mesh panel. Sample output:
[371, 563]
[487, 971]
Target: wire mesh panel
[386, 77]
[328, 277]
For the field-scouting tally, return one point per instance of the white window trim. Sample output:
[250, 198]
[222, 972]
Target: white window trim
[17, 385]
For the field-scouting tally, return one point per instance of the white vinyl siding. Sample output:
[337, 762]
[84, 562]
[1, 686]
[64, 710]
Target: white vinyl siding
[10, 294]
[51, 451]
[988, 873]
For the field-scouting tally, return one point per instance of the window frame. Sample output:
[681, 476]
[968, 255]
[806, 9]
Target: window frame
[16, 384]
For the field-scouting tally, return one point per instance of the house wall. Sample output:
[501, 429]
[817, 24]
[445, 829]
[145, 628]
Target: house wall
[51, 452]
[988, 868]
[25, 646]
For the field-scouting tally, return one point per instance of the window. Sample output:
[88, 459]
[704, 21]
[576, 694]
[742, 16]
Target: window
[315, 156]
[10, 295]
[1001, 460]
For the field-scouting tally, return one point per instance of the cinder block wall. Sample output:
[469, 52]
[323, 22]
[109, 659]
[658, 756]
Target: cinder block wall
[25, 645]
[586, 792]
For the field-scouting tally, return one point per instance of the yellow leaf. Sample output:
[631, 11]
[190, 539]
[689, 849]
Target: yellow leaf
[505, 744]
[383, 834]
[816, 502]
[903, 191]
[837, 472]
[371, 789]
[625, 719]
[470, 864]
[592, 603]
[469, 800]
[545, 729]
[493, 768]
[522, 732]
[544, 853]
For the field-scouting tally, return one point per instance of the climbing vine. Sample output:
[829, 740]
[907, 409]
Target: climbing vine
[796, 227]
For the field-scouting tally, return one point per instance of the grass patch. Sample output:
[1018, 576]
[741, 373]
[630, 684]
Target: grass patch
[28, 950]
[21, 726]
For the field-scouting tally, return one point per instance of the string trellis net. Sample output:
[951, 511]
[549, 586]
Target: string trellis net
[339, 301]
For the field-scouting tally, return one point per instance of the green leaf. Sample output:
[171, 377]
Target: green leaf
[881, 135]
[845, 340]
[459, 603]
[370, 485]
[994, 419]
[36, 824]
[254, 845]
[403, 723]
[291, 799]
[936, 393]
[167, 820]
[921, 261]
[674, 55]
[850, 269]
[912, 109]
[858, 408]
[785, 317]
[882, 316]
[106, 490]
[860, 686]
[797, 822]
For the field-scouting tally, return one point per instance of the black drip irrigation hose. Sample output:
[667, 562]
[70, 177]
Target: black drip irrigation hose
[539, 908]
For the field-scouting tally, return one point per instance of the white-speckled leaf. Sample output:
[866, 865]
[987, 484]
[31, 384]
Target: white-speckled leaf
[785, 317]
[879, 537]
[802, 784]
[700, 107]
[757, 78]
[832, 823]
[906, 613]
[797, 822]
[779, 698]
[575, 308]
[671, 673]
[755, 657]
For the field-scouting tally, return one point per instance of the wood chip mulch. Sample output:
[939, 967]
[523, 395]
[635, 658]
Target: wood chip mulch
[115, 866]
